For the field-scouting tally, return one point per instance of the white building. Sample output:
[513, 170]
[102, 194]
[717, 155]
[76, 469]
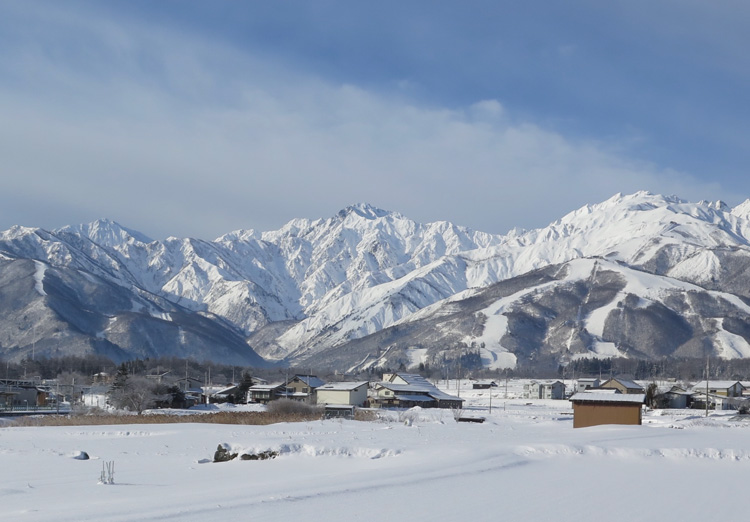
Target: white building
[544, 390]
[725, 388]
[586, 383]
[352, 393]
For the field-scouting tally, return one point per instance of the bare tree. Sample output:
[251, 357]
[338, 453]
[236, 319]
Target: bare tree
[133, 393]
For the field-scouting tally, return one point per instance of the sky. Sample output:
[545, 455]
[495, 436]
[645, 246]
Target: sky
[191, 118]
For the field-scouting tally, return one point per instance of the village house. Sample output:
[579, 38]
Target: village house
[715, 402]
[189, 385]
[226, 394]
[483, 385]
[406, 390]
[586, 383]
[390, 395]
[622, 386]
[594, 408]
[343, 393]
[303, 388]
[673, 397]
[265, 393]
[723, 388]
[544, 390]
[443, 400]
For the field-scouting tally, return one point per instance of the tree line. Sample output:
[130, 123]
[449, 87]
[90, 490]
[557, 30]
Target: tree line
[82, 370]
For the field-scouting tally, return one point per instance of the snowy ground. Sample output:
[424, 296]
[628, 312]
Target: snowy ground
[526, 462]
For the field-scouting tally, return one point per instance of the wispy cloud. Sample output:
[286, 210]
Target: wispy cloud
[176, 135]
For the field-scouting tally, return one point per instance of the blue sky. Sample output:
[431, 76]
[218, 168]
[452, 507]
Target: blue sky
[192, 118]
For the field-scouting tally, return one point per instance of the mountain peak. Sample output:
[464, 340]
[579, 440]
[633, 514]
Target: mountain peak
[742, 210]
[715, 205]
[239, 235]
[364, 210]
[106, 232]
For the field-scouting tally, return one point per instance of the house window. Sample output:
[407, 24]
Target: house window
[304, 390]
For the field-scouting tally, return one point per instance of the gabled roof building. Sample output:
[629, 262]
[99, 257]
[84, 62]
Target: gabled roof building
[622, 385]
[725, 388]
[303, 387]
[343, 393]
[406, 390]
[595, 408]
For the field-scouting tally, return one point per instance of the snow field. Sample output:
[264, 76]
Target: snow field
[526, 462]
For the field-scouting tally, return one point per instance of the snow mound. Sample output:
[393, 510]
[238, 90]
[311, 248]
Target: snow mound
[564, 450]
[311, 450]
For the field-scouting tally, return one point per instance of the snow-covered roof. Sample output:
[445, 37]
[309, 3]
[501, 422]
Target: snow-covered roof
[442, 396]
[211, 390]
[715, 385]
[406, 387]
[311, 380]
[420, 389]
[674, 389]
[265, 387]
[631, 398]
[631, 385]
[342, 386]
[415, 379]
[414, 398]
[227, 390]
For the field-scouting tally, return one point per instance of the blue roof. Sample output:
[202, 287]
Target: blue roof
[311, 380]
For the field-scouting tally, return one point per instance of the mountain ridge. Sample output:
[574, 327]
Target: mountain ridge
[322, 284]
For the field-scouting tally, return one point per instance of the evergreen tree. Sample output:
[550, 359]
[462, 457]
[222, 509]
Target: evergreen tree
[244, 386]
[121, 377]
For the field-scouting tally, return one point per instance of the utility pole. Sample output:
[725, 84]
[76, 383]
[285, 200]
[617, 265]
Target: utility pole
[563, 378]
[707, 385]
[458, 379]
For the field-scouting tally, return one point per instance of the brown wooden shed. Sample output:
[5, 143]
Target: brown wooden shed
[594, 409]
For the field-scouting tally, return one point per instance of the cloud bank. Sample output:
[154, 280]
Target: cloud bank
[172, 134]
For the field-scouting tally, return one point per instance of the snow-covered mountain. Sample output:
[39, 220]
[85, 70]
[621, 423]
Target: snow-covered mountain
[587, 307]
[337, 289]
